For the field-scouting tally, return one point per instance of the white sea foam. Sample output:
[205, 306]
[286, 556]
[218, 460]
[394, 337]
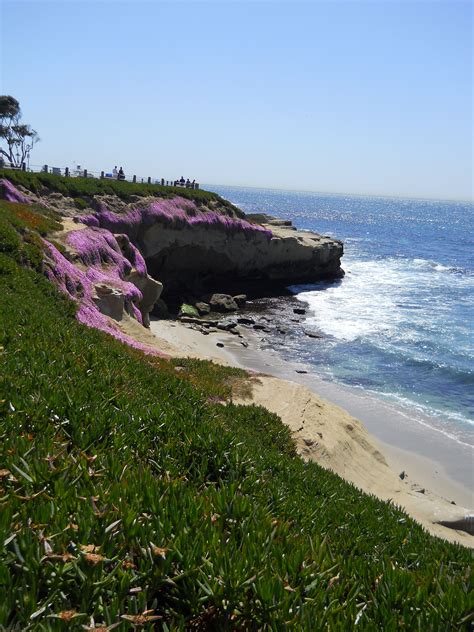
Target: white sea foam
[401, 312]
[382, 298]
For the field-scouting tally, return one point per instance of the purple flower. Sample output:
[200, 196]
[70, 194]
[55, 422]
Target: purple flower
[11, 193]
[80, 285]
[176, 212]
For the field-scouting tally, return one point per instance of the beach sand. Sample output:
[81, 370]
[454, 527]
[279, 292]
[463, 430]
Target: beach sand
[333, 437]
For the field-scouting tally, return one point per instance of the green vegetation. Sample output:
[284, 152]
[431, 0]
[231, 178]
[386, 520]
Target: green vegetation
[127, 487]
[88, 187]
[21, 227]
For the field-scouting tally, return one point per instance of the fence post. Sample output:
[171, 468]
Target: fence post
[45, 169]
[149, 180]
[66, 172]
[23, 166]
[102, 175]
[85, 173]
[134, 179]
[162, 182]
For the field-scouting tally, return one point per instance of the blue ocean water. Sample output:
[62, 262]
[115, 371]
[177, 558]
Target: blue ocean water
[400, 323]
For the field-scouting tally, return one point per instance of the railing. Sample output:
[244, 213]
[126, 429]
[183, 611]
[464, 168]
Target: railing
[78, 172]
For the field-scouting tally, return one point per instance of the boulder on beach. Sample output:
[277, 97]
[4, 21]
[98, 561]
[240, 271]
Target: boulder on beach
[202, 307]
[160, 309]
[188, 310]
[240, 299]
[223, 303]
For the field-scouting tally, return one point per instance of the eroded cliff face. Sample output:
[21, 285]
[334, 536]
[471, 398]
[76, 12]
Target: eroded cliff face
[191, 249]
[198, 259]
[119, 257]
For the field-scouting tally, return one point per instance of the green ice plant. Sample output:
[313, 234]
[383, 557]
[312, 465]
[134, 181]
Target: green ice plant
[135, 495]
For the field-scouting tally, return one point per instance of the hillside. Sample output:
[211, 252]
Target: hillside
[192, 241]
[135, 493]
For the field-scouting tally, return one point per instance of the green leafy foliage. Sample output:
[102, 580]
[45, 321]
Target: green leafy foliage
[21, 227]
[81, 203]
[79, 188]
[130, 493]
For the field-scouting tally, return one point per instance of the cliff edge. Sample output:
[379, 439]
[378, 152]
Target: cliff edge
[134, 248]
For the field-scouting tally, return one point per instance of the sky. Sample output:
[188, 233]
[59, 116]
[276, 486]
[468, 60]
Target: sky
[344, 97]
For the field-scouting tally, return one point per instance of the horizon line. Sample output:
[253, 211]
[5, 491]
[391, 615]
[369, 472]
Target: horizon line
[376, 195]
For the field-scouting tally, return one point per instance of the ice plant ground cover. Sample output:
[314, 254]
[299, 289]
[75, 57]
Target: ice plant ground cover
[105, 263]
[79, 286]
[10, 193]
[135, 494]
[177, 213]
[81, 188]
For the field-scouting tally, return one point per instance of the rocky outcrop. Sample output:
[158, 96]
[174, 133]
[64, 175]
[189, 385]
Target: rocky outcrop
[150, 289]
[197, 259]
[222, 303]
[194, 248]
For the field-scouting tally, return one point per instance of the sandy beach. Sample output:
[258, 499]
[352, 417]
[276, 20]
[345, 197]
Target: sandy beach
[340, 429]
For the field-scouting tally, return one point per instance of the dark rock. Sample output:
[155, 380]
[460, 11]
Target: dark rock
[223, 303]
[208, 323]
[219, 344]
[299, 310]
[202, 308]
[190, 320]
[160, 309]
[245, 321]
[301, 371]
[403, 475]
[226, 326]
[311, 334]
[240, 299]
[244, 344]
[309, 442]
[260, 327]
[463, 523]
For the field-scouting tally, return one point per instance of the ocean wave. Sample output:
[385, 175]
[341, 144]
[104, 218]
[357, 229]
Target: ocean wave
[451, 424]
[439, 267]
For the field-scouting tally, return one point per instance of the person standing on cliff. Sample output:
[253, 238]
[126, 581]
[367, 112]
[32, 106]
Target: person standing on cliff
[115, 173]
[121, 175]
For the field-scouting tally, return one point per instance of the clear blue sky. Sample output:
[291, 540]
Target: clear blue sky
[362, 97]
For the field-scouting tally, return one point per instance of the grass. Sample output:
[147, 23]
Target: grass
[130, 494]
[83, 188]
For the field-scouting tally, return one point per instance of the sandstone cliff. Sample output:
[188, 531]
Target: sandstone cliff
[126, 253]
[193, 249]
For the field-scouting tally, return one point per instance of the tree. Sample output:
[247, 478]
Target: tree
[19, 137]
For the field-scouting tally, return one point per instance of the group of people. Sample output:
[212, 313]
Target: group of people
[185, 183]
[118, 174]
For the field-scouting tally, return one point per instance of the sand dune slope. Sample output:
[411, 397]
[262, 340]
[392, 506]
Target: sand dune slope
[327, 434]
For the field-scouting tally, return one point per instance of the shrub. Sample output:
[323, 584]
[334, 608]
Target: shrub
[81, 203]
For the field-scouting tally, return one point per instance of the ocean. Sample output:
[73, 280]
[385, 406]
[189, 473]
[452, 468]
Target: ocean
[400, 323]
